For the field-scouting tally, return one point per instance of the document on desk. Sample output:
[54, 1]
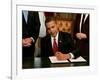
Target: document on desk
[53, 59]
[79, 59]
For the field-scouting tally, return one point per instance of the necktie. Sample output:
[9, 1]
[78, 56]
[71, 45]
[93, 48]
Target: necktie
[55, 47]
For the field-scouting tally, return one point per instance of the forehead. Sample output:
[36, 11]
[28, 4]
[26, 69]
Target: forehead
[51, 23]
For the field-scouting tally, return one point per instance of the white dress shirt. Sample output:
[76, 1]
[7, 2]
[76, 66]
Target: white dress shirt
[86, 15]
[25, 13]
[52, 39]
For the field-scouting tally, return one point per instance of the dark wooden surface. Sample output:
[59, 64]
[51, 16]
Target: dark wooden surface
[44, 62]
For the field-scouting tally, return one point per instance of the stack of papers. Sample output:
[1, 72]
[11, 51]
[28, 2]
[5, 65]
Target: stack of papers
[79, 59]
[53, 59]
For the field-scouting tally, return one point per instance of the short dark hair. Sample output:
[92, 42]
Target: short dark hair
[48, 19]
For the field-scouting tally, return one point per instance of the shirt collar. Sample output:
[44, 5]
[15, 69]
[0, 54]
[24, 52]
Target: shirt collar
[56, 36]
[52, 39]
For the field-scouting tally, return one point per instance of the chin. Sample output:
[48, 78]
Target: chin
[53, 34]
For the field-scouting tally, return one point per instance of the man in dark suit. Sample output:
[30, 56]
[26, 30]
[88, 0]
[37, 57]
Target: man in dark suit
[81, 34]
[59, 44]
[30, 32]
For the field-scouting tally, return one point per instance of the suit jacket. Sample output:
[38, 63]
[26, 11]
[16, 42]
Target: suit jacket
[84, 28]
[65, 45]
[32, 27]
[83, 44]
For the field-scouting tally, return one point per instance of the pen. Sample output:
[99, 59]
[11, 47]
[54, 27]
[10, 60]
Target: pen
[69, 60]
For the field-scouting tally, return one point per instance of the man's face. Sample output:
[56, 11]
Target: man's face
[52, 28]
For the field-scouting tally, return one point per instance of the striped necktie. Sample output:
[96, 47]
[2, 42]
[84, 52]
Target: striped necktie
[55, 47]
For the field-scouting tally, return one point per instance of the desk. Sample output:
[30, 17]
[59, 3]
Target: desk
[44, 62]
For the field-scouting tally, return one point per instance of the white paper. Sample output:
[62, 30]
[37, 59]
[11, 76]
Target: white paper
[53, 59]
[79, 59]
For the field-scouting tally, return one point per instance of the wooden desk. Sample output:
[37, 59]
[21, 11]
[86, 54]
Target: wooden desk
[37, 62]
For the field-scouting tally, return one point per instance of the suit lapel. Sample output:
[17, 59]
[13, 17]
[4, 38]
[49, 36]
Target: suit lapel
[28, 17]
[23, 18]
[85, 24]
[59, 41]
[50, 46]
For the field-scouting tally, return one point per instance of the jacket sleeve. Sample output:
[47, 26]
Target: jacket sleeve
[34, 25]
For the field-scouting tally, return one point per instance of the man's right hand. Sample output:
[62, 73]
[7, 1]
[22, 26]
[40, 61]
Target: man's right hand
[26, 42]
[81, 36]
[61, 56]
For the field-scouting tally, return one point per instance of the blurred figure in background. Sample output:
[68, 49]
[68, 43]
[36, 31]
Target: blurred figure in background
[81, 34]
[30, 32]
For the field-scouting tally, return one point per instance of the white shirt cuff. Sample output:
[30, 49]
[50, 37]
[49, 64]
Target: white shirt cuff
[72, 56]
[32, 39]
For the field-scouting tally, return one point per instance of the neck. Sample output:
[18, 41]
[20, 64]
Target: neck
[55, 34]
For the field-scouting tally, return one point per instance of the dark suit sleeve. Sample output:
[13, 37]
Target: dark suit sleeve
[67, 45]
[46, 47]
[76, 25]
[73, 49]
[43, 47]
[34, 24]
